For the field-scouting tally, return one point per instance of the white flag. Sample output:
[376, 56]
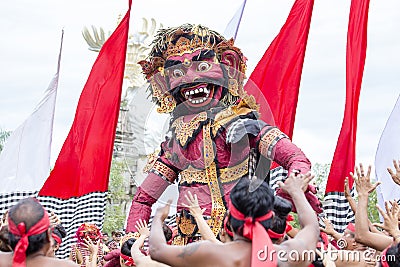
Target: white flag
[25, 158]
[388, 150]
[232, 28]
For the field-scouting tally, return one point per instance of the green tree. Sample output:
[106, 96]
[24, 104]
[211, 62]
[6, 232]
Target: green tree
[3, 137]
[117, 197]
[373, 213]
[321, 172]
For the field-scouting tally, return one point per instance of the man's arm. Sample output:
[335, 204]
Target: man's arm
[306, 239]
[363, 235]
[144, 232]
[349, 198]
[178, 256]
[194, 208]
[353, 205]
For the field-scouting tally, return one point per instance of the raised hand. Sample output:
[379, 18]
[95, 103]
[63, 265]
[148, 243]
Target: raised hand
[162, 212]
[142, 228]
[328, 229]
[347, 193]
[391, 219]
[91, 260]
[4, 220]
[92, 247]
[54, 220]
[363, 181]
[396, 173]
[193, 205]
[295, 183]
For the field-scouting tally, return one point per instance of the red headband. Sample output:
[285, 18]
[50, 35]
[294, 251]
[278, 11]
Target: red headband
[128, 261]
[383, 259]
[56, 238]
[351, 227]
[275, 235]
[253, 230]
[19, 259]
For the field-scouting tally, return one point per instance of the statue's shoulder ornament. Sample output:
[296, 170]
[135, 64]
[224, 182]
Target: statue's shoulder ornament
[247, 107]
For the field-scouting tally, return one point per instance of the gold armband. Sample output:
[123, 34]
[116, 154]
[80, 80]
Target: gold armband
[269, 140]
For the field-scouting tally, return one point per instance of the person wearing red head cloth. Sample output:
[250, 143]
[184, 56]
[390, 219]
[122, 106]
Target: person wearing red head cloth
[215, 134]
[30, 237]
[250, 214]
[89, 240]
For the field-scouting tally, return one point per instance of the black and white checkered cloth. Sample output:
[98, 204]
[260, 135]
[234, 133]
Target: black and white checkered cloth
[75, 211]
[337, 210]
[278, 174]
[72, 212]
[336, 207]
[170, 221]
[7, 200]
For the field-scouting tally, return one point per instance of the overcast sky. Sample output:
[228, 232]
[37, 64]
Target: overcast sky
[30, 34]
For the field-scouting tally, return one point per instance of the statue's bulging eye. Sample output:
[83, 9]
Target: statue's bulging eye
[178, 73]
[203, 66]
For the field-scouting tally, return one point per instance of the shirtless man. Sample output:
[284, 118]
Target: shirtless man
[250, 217]
[30, 237]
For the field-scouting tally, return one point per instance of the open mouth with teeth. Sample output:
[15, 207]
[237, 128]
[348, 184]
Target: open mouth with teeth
[198, 95]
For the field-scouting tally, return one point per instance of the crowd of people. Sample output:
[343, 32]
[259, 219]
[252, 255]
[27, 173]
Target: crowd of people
[257, 231]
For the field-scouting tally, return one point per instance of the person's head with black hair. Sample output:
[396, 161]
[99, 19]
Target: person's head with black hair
[390, 256]
[29, 226]
[253, 199]
[117, 235]
[282, 208]
[58, 233]
[126, 246]
[106, 238]
[126, 256]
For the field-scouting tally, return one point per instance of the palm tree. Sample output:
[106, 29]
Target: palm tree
[3, 137]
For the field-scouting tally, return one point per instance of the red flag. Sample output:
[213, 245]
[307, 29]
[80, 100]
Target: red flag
[83, 164]
[278, 73]
[345, 153]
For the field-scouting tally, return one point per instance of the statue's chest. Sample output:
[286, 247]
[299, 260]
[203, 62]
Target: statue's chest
[198, 139]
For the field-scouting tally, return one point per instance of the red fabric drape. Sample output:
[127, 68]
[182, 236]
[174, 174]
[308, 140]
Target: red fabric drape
[275, 81]
[83, 164]
[345, 153]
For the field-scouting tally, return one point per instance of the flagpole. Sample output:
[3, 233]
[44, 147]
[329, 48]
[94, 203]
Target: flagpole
[240, 19]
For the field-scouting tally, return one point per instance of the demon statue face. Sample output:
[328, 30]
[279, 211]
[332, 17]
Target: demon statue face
[193, 68]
